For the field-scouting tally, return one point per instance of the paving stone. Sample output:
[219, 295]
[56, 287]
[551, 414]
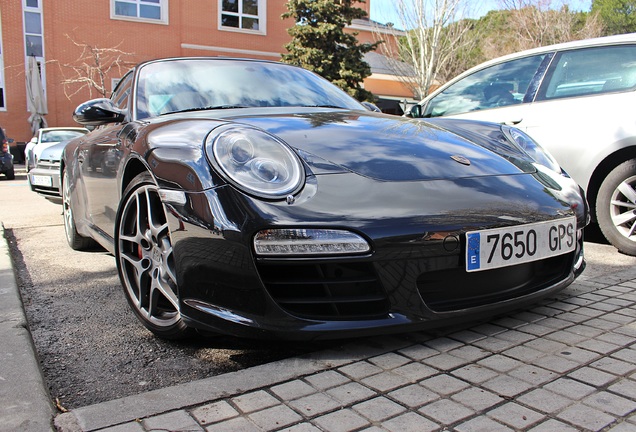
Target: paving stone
[444, 362]
[589, 312]
[350, 393]
[477, 399]
[475, 374]
[546, 345]
[292, 390]
[128, 427]
[444, 384]
[624, 387]
[564, 306]
[546, 311]
[275, 417]
[414, 396]
[489, 329]
[302, 427]
[614, 366]
[467, 336]
[578, 355]
[415, 371]
[553, 426]
[598, 346]
[574, 317]
[593, 377]
[515, 415]
[176, 421]
[446, 411]
[529, 317]
[509, 322]
[385, 381]
[500, 363]
[315, 404]
[616, 339]
[418, 352]
[360, 370]
[545, 401]
[214, 412]
[556, 323]
[341, 421]
[536, 329]
[566, 337]
[482, 424]
[603, 324]
[469, 353]
[443, 344]
[557, 363]
[389, 361]
[508, 386]
[610, 403]
[628, 355]
[623, 427]
[327, 379]
[237, 424]
[379, 409]
[586, 417]
[569, 388]
[533, 374]
[524, 353]
[255, 401]
[495, 344]
[410, 422]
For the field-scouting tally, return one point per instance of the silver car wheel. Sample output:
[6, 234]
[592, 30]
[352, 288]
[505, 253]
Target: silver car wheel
[145, 257]
[623, 208]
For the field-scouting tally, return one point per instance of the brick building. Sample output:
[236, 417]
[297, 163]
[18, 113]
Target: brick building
[58, 32]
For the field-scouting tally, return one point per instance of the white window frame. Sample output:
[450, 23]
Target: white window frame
[262, 18]
[40, 59]
[163, 6]
[3, 98]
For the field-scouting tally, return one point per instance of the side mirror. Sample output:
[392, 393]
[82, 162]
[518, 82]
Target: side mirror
[371, 107]
[415, 111]
[98, 112]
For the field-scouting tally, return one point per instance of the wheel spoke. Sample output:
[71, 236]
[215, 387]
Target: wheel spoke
[618, 203]
[623, 218]
[627, 190]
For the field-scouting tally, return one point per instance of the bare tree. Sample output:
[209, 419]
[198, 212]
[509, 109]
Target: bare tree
[93, 68]
[535, 23]
[435, 33]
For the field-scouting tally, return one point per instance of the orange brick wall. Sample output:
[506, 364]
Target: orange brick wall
[192, 22]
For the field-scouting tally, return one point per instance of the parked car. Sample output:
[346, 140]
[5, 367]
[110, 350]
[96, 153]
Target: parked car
[45, 177]
[254, 198]
[6, 160]
[576, 100]
[47, 137]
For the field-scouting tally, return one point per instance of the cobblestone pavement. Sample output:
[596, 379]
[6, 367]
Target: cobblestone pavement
[566, 364]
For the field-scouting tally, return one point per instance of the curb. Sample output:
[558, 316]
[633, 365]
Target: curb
[26, 401]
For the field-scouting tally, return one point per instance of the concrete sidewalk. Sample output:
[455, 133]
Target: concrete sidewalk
[566, 364]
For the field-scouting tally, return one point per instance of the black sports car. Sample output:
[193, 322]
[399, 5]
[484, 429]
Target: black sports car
[254, 198]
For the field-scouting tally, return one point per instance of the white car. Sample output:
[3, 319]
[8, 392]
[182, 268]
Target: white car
[47, 137]
[577, 100]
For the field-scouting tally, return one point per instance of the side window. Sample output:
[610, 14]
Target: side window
[122, 91]
[496, 86]
[591, 71]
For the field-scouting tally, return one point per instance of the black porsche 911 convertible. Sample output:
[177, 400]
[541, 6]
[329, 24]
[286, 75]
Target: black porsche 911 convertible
[255, 199]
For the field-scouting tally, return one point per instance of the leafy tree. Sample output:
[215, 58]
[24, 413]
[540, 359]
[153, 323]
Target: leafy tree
[320, 44]
[618, 16]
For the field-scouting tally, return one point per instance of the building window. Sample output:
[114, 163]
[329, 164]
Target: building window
[242, 15]
[154, 11]
[33, 33]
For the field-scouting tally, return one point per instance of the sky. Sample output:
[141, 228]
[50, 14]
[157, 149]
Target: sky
[383, 11]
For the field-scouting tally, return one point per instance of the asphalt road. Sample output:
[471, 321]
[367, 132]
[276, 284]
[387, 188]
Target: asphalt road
[91, 347]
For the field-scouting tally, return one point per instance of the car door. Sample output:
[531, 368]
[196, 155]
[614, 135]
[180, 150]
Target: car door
[583, 110]
[498, 93]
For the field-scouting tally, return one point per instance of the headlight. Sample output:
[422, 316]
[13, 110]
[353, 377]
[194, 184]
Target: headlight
[255, 161]
[531, 148]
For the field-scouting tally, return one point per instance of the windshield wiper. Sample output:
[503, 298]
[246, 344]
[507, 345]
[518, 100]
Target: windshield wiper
[211, 107]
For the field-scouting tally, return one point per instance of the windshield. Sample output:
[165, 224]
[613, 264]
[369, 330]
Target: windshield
[190, 84]
[60, 135]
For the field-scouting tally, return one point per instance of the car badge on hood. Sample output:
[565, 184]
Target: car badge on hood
[460, 159]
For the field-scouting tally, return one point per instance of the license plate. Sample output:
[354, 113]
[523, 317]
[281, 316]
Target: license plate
[501, 247]
[38, 180]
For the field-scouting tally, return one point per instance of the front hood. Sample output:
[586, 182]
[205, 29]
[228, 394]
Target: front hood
[385, 147]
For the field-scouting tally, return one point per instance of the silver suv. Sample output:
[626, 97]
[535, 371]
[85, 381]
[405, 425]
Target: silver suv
[577, 100]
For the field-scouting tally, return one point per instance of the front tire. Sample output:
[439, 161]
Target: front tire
[616, 207]
[145, 259]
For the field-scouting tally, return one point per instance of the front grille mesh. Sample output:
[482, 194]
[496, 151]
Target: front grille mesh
[335, 291]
